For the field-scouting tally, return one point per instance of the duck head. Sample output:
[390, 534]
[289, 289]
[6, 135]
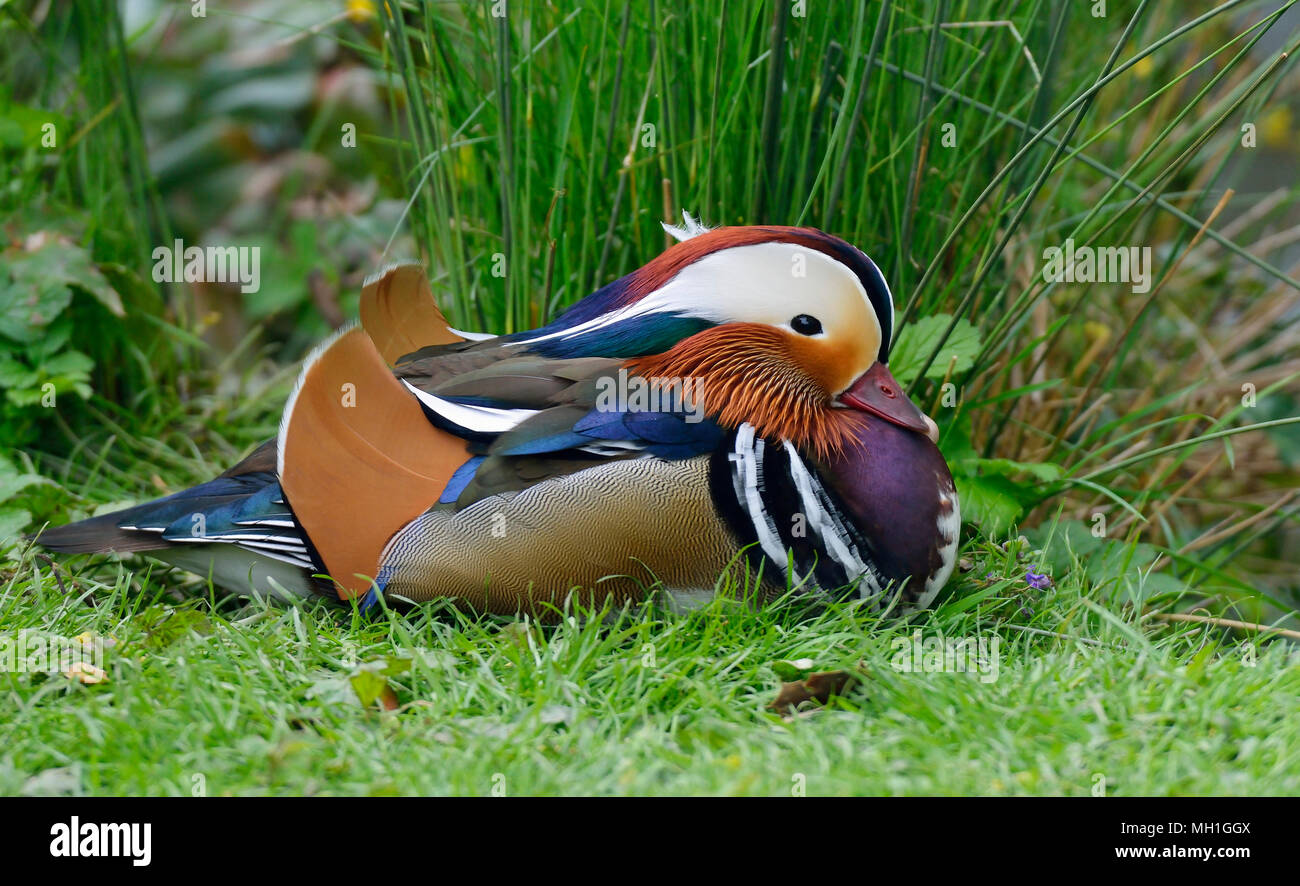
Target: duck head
[794, 333]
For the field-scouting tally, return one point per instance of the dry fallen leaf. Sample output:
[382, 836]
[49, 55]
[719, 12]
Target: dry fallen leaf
[85, 673]
[818, 687]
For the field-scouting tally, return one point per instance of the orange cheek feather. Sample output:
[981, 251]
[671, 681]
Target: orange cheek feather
[778, 382]
[833, 363]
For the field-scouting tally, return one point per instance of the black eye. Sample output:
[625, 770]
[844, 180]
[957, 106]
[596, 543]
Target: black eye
[806, 325]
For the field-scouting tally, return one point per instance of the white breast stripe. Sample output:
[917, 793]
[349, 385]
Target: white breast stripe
[824, 523]
[871, 577]
[747, 473]
[830, 527]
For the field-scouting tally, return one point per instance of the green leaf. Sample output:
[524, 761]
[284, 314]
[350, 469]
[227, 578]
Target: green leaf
[14, 374]
[29, 302]
[12, 134]
[918, 339]
[370, 681]
[12, 481]
[955, 443]
[368, 685]
[991, 503]
[21, 125]
[12, 522]
[89, 280]
[163, 626]
[38, 288]
[1060, 541]
[56, 337]
[1005, 467]
[70, 364]
[1119, 567]
[790, 671]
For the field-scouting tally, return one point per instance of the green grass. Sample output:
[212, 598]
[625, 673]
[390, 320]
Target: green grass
[257, 700]
[524, 140]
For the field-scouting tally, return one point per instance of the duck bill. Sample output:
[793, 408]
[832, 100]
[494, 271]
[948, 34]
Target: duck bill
[877, 392]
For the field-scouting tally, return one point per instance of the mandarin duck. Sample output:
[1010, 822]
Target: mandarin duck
[728, 405]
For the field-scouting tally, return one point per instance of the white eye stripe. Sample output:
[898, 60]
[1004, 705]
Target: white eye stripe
[753, 283]
[750, 283]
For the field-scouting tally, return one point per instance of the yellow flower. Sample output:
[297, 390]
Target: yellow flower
[90, 638]
[1277, 128]
[360, 10]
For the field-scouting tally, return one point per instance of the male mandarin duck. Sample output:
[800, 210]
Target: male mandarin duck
[728, 405]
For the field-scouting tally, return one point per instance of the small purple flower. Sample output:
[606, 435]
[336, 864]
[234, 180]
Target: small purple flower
[1037, 581]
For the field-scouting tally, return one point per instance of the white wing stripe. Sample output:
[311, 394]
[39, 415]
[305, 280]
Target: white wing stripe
[481, 419]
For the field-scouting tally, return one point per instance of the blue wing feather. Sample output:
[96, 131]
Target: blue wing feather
[672, 435]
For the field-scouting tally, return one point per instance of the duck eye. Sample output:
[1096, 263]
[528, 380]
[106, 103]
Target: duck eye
[806, 325]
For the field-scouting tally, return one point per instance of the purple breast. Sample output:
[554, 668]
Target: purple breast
[897, 488]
